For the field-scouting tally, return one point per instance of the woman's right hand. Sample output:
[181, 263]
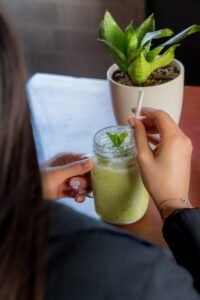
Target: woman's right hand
[166, 169]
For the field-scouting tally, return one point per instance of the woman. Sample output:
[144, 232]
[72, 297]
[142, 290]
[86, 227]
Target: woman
[48, 251]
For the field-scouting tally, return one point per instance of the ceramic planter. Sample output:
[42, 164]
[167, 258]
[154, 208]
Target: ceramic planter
[167, 96]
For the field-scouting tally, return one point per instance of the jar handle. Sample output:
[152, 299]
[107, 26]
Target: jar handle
[88, 155]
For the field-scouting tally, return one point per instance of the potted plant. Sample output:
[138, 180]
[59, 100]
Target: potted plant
[139, 63]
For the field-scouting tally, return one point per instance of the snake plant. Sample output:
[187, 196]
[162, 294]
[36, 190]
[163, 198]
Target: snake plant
[132, 49]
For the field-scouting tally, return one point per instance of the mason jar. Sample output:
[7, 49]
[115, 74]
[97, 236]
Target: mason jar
[119, 194]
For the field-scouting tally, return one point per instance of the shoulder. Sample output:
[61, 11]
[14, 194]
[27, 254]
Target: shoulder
[94, 260]
[93, 255]
[86, 250]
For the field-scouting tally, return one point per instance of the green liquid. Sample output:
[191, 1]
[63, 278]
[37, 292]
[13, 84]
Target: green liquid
[119, 194]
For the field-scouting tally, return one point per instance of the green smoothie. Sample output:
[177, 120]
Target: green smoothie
[120, 196]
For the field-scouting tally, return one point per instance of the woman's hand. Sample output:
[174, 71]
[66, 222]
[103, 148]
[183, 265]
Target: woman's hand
[66, 175]
[166, 169]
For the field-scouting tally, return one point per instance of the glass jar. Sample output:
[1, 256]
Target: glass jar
[119, 194]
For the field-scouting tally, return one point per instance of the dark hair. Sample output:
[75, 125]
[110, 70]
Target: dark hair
[22, 209]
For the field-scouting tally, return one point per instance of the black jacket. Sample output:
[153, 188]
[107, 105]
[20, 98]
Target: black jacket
[89, 260]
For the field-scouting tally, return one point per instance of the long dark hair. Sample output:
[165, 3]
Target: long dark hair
[22, 210]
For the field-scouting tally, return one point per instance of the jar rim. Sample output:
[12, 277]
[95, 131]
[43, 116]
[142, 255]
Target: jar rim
[103, 146]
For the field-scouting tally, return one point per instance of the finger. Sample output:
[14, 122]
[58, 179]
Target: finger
[71, 193]
[141, 140]
[144, 109]
[149, 123]
[73, 169]
[63, 159]
[155, 140]
[80, 197]
[158, 121]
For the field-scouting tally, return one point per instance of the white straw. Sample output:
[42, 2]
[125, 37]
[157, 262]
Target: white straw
[139, 103]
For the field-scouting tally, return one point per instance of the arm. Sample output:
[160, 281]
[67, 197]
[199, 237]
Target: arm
[182, 233]
[166, 175]
[169, 281]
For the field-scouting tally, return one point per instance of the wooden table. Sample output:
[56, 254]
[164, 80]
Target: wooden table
[68, 111]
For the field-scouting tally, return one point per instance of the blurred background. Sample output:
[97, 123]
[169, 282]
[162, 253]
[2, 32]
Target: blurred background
[60, 36]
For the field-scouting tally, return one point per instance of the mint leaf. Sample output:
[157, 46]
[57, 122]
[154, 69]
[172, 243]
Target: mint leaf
[123, 136]
[117, 139]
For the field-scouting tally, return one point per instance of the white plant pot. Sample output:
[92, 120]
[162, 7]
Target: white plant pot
[167, 96]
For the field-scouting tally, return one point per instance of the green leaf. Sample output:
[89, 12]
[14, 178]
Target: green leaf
[130, 42]
[151, 55]
[156, 35]
[112, 137]
[131, 49]
[117, 55]
[111, 32]
[117, 139]
[147, 26]
[147, 47]
[183, 34]
[165, 59]
[122, 137]
[140, 69]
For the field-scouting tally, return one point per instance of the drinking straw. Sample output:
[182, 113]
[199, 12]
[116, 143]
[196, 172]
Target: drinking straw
[139, 103]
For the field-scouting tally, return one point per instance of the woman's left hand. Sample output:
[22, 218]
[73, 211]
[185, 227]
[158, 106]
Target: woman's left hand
[66, 175]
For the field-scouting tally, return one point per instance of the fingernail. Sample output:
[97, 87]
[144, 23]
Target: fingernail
[142, 118]
[86, 155]
[75, 184]
[131, 122]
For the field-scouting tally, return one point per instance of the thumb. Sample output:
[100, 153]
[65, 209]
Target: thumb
[143, 150]
[73, 169]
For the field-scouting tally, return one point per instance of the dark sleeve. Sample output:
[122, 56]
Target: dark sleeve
[181, 231]
[168, 280]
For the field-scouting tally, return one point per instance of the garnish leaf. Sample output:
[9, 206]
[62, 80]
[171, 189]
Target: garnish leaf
[117, 139]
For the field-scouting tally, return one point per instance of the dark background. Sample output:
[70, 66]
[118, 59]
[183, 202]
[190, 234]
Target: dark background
[178, 15]
[60, 36]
